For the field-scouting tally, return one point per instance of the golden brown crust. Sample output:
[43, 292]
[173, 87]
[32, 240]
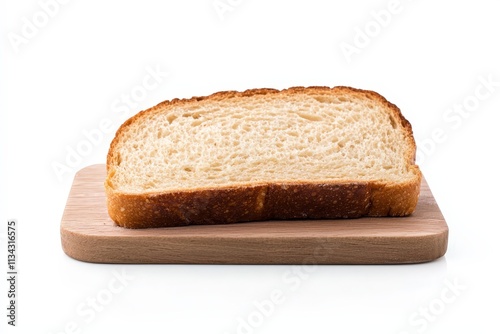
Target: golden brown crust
[279, 200]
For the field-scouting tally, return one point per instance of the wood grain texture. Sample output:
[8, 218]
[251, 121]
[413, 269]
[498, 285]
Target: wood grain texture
[88, 234]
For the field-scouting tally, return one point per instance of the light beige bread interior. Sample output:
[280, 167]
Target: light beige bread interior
[313, 152]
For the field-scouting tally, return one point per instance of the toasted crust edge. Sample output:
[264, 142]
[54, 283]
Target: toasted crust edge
[279, 200]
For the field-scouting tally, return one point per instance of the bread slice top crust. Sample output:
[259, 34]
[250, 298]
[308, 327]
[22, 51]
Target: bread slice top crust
[305, 137]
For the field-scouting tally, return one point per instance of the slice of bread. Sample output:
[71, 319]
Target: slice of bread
[299, 153]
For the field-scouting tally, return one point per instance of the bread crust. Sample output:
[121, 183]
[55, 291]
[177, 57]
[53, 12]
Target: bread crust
[321, 199]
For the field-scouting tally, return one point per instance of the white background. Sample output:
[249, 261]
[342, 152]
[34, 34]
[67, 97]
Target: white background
[64, 77]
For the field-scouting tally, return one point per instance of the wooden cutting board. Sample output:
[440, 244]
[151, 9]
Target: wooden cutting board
[88, 234]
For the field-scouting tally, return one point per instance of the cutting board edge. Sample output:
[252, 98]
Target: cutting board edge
[100, 249]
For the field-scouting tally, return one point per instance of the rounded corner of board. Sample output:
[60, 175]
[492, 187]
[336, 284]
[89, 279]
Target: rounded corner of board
[90, 168]
[73, 245]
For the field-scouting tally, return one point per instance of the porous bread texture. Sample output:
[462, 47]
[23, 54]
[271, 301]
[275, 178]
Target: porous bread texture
[313, 136]
[261, 138]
